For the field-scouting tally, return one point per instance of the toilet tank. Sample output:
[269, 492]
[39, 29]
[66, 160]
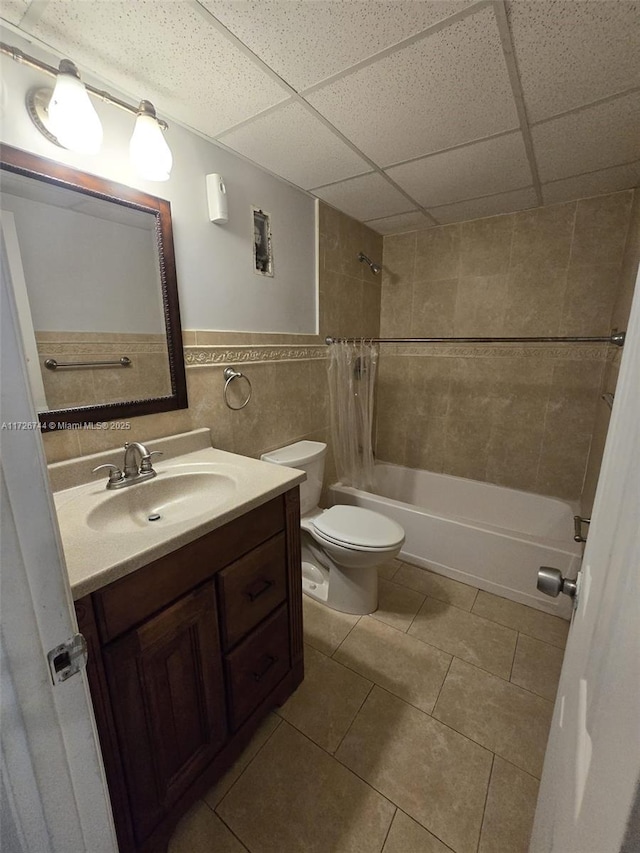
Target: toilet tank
[309, 457]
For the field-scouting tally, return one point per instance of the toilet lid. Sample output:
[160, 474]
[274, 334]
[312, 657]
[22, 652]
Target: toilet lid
[360, 527]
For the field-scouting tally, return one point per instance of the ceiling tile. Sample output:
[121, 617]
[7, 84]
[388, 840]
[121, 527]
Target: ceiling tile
[480, 169]
[366, 197]
[13, 10]
[489, 206]
[570, 54]
[169, 52]
[412, 221]
[450, 87]
[595, 183]
[588, 140]
[308, 42]
[291, 142]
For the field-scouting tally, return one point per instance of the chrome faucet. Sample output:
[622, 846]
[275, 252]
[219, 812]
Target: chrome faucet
[137, 466]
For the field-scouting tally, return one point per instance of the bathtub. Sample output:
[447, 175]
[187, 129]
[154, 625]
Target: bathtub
[488, 536]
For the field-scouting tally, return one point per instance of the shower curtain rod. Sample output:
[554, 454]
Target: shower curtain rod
[616, 338]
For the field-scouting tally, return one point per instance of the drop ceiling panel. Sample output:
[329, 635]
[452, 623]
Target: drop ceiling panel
[571, 53]
[293, 143]
[167, 50]
[589, 140]
[449, 88]
[480, 169]
[366, 197]
[476, 208]
[412, 221]
[595, 183]
[13, 10]
[308, 42]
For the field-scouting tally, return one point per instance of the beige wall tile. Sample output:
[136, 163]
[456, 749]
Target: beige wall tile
[542, 237]
[629, 271]
[513, 456]
[343, 692]
[425, 447]
[589, 299]
[291, 775]
[431, 772]
[466, 635]
[534, 623]
[601, 229]
[480, 306]
[407, 836]
[535, 300]
[510, 809]
[437, 253]
[433, 308]
[485, 245]
[502, 717]
[399, 258]
[536, 667]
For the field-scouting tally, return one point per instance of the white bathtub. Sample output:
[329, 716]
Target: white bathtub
[484, 535]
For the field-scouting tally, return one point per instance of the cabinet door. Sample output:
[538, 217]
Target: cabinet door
[167, 694]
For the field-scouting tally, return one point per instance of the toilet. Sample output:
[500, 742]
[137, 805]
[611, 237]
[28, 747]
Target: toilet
[343, 546]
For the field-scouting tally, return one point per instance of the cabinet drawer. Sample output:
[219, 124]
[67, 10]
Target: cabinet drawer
[251, 588]
[257, 665]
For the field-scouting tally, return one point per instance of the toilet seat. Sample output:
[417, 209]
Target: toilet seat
[357, 529]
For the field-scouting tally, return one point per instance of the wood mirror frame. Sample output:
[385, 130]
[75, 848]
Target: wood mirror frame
[32, 166]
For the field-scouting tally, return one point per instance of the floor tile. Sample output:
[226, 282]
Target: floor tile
[201, 831]
[294, 797]
[435, 775]
[501, 716]
[397, 605]
[324, 705]
[436, 586]
[388, 569]
[396, 661]
[534, 623]
[511, 805]
[407, 836]
[466, 635]
[324, 628]
[537, 667]
[266, 728]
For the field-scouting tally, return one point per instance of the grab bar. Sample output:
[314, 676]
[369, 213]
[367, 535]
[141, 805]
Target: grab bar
[52, 364]
[578, 521]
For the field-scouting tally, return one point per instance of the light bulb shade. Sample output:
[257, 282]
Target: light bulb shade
[72, 116]
[150, 155]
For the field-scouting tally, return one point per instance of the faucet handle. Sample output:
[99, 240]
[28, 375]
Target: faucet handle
[115, 474]
[146, 464]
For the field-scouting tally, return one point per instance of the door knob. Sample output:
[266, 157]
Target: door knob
[551, 582]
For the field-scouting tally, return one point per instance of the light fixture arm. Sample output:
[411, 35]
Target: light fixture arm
[24, 59]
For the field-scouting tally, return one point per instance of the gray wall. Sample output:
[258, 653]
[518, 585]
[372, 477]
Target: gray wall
[218, 287]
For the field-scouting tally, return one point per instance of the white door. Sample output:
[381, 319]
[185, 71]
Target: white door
[592, 763]
[53, 795]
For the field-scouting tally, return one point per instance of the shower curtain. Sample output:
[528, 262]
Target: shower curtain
[352, 373]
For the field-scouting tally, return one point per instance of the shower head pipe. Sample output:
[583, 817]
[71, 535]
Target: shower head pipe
[375, 268]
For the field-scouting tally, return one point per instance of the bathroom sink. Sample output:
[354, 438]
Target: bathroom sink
[177, 495]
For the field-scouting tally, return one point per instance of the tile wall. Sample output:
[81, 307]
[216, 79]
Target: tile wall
[287, 372]
[518, 415]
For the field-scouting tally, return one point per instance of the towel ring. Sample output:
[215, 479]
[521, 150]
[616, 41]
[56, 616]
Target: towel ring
[230, 374]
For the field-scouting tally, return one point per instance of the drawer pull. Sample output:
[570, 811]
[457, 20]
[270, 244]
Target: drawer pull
[271, 659]
[258, 589]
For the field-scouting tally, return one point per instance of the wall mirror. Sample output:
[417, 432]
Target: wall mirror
[93, 271]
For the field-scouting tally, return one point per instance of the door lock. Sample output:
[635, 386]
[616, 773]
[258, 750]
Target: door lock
[68, 658]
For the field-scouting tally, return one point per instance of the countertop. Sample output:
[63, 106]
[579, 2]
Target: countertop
[97, 558]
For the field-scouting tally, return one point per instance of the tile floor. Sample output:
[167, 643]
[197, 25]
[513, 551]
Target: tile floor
[420, 729]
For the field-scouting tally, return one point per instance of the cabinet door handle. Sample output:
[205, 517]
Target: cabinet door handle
[271, 659]
[258, 588]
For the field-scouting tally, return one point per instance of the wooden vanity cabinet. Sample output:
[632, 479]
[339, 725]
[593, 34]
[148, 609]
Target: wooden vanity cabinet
[186, 656]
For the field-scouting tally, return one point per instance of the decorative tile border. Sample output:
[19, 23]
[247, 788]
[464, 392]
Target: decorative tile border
[74, 348]
[210, 356]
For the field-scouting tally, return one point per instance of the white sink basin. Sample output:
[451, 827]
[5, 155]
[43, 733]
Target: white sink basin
[177, 495]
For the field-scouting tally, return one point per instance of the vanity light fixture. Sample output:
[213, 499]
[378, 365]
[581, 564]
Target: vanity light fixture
[66, 117]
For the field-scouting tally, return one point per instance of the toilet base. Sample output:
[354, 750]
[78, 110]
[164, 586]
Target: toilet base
[350, 590]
